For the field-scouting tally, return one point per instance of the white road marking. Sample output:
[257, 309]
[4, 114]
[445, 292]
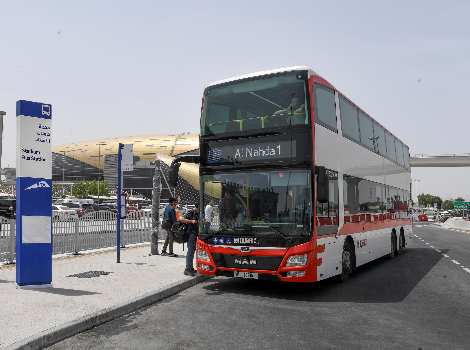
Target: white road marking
[466, 269]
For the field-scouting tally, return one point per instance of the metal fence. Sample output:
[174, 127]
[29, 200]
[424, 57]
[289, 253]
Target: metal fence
[91, 231]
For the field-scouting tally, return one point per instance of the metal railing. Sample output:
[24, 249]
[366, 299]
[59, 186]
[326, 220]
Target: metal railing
[7, 239]
[92, 231]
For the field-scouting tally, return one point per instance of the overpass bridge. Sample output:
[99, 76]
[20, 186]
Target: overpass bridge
[444, 161]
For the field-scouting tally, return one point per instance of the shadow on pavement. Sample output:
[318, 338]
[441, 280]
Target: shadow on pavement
[382, 281]
[65, 291]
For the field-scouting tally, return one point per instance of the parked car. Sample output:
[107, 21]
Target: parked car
[99, 207]
[63, 212]
[443, 216]
[147, 210]
[75, 206]
[8, 208]
[430, 214]
[422, 217]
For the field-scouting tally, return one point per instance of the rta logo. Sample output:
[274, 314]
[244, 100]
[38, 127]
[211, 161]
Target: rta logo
[361, 243]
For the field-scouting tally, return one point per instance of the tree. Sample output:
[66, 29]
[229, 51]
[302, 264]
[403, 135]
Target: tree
[90, 188]
[448, 204]
[428, 200]
[459, 199]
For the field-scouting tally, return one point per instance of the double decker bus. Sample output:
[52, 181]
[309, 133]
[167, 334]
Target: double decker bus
[297, 183]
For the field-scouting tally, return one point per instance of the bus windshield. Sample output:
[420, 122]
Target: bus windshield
[257, 203]
[250, 106]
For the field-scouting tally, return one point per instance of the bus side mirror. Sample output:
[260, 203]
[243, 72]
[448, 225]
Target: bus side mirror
[173, 174]
[323, 185]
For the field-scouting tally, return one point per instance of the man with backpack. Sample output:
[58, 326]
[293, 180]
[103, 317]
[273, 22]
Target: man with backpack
[169, 218]
[192, 231]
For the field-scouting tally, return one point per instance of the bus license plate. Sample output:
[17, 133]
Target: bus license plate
[252, 275]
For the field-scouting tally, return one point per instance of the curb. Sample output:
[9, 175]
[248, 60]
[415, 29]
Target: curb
[56, 334]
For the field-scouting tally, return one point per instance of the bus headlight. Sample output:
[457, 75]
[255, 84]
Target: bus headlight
[297, 260]
[202, 255]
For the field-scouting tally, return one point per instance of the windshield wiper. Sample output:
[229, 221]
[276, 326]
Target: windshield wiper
[276, 232]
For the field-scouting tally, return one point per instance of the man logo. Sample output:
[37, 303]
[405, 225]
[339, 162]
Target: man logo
[40, 184]
[244, 261]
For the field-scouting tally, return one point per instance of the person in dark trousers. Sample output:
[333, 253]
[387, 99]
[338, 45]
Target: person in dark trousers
[169, 215]
[193, 231]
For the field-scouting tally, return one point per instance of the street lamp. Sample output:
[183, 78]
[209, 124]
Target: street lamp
[2, 114]
[99, 166]
[416, 181]
[63, 173]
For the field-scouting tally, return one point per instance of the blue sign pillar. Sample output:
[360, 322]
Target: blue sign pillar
[33, 194]
[119, 204]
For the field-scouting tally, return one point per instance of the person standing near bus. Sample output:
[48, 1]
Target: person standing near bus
[169, 218]
[192, 217]
[208, 213]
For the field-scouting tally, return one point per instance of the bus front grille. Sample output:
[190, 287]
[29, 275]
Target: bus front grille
[247, 262]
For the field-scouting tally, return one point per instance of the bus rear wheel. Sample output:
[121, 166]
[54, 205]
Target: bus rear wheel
[347, 261]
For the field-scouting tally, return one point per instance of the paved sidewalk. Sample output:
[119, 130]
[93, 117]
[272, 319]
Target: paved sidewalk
[457, 224]
[25, 313]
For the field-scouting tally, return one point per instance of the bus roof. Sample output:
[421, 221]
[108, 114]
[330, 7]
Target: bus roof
[261, 73]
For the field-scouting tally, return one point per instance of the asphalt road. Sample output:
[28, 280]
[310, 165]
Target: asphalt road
[418, 300]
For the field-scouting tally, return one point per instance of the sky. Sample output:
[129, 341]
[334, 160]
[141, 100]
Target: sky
[121, 68]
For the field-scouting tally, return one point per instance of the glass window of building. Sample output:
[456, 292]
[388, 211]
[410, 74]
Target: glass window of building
[406, 156]
[349, 119]
[325, 107]
[390, 141]
[367, 131]
[379, 134]
[399, 150]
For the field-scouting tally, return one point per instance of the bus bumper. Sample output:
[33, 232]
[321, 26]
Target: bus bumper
[208, 262]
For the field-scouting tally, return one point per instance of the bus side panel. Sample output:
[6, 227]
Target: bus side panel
[374, 244]
[368, 245]
[330, 256]
[371, 245]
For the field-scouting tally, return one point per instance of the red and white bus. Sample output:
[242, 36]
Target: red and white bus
[297, 182]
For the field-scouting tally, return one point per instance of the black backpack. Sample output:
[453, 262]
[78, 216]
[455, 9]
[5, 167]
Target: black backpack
[166, 225]
[180, 232]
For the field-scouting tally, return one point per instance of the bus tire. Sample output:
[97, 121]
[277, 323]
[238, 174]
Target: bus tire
[401, 241]
[393, 244]
[348, 261]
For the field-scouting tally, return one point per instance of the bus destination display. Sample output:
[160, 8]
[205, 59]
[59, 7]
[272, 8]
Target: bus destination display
[260, 151]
